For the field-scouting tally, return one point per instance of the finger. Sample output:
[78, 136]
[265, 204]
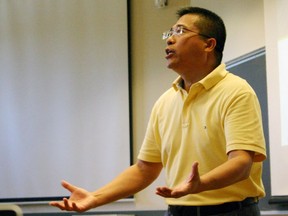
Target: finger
[59, 205]
[55, 204]
[177, 194]
[159, 193]
[195, 166]
[68, 186]
[163, 191]
[67, 204]
[194, 171]
[76, 208]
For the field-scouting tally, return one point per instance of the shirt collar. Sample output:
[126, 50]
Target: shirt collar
[209, 81]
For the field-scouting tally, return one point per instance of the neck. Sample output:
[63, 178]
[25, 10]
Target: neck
[192, 76]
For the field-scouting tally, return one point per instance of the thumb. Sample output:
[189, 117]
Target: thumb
[194, 172]
[68, 186]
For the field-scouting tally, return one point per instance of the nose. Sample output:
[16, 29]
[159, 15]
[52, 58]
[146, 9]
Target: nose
[170, 40]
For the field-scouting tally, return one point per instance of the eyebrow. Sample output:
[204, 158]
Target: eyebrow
[179, 25]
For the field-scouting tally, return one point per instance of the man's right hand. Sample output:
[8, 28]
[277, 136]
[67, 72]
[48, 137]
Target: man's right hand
[80, 199]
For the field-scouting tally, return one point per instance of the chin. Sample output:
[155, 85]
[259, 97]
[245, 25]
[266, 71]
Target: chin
[170, 65]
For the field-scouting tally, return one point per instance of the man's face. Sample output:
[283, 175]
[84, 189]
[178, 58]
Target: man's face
[185, 51]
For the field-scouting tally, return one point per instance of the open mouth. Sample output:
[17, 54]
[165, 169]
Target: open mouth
[169, 52]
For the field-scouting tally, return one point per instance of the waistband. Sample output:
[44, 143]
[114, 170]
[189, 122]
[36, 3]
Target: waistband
[177, 210]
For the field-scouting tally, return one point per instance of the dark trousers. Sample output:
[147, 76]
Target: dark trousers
[248, 207]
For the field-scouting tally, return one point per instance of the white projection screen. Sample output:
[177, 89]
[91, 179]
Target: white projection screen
[64, 95]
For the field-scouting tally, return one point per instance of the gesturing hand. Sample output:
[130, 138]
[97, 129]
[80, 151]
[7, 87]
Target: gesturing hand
[188, 187]
[79, 201]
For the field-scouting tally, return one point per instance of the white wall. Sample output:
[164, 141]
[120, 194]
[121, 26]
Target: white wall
[150, 77]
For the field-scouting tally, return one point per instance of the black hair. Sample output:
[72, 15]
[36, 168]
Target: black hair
[209, 24]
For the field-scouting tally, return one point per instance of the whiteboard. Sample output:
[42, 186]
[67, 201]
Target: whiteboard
[64, 95]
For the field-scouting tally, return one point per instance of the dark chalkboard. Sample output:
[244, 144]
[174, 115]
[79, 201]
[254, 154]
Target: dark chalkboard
[252, 67]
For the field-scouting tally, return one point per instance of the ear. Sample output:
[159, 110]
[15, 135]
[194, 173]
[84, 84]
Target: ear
[210, 44]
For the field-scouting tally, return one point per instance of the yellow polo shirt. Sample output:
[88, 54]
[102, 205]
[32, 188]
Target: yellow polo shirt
[220, 113]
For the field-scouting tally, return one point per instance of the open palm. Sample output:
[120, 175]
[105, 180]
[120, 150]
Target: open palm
[80, 200]
[188, 187]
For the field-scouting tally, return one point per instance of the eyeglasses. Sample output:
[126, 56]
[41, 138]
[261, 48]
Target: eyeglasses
[179, 30]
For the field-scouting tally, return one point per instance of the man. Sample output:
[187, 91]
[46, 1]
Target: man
[205, 131]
